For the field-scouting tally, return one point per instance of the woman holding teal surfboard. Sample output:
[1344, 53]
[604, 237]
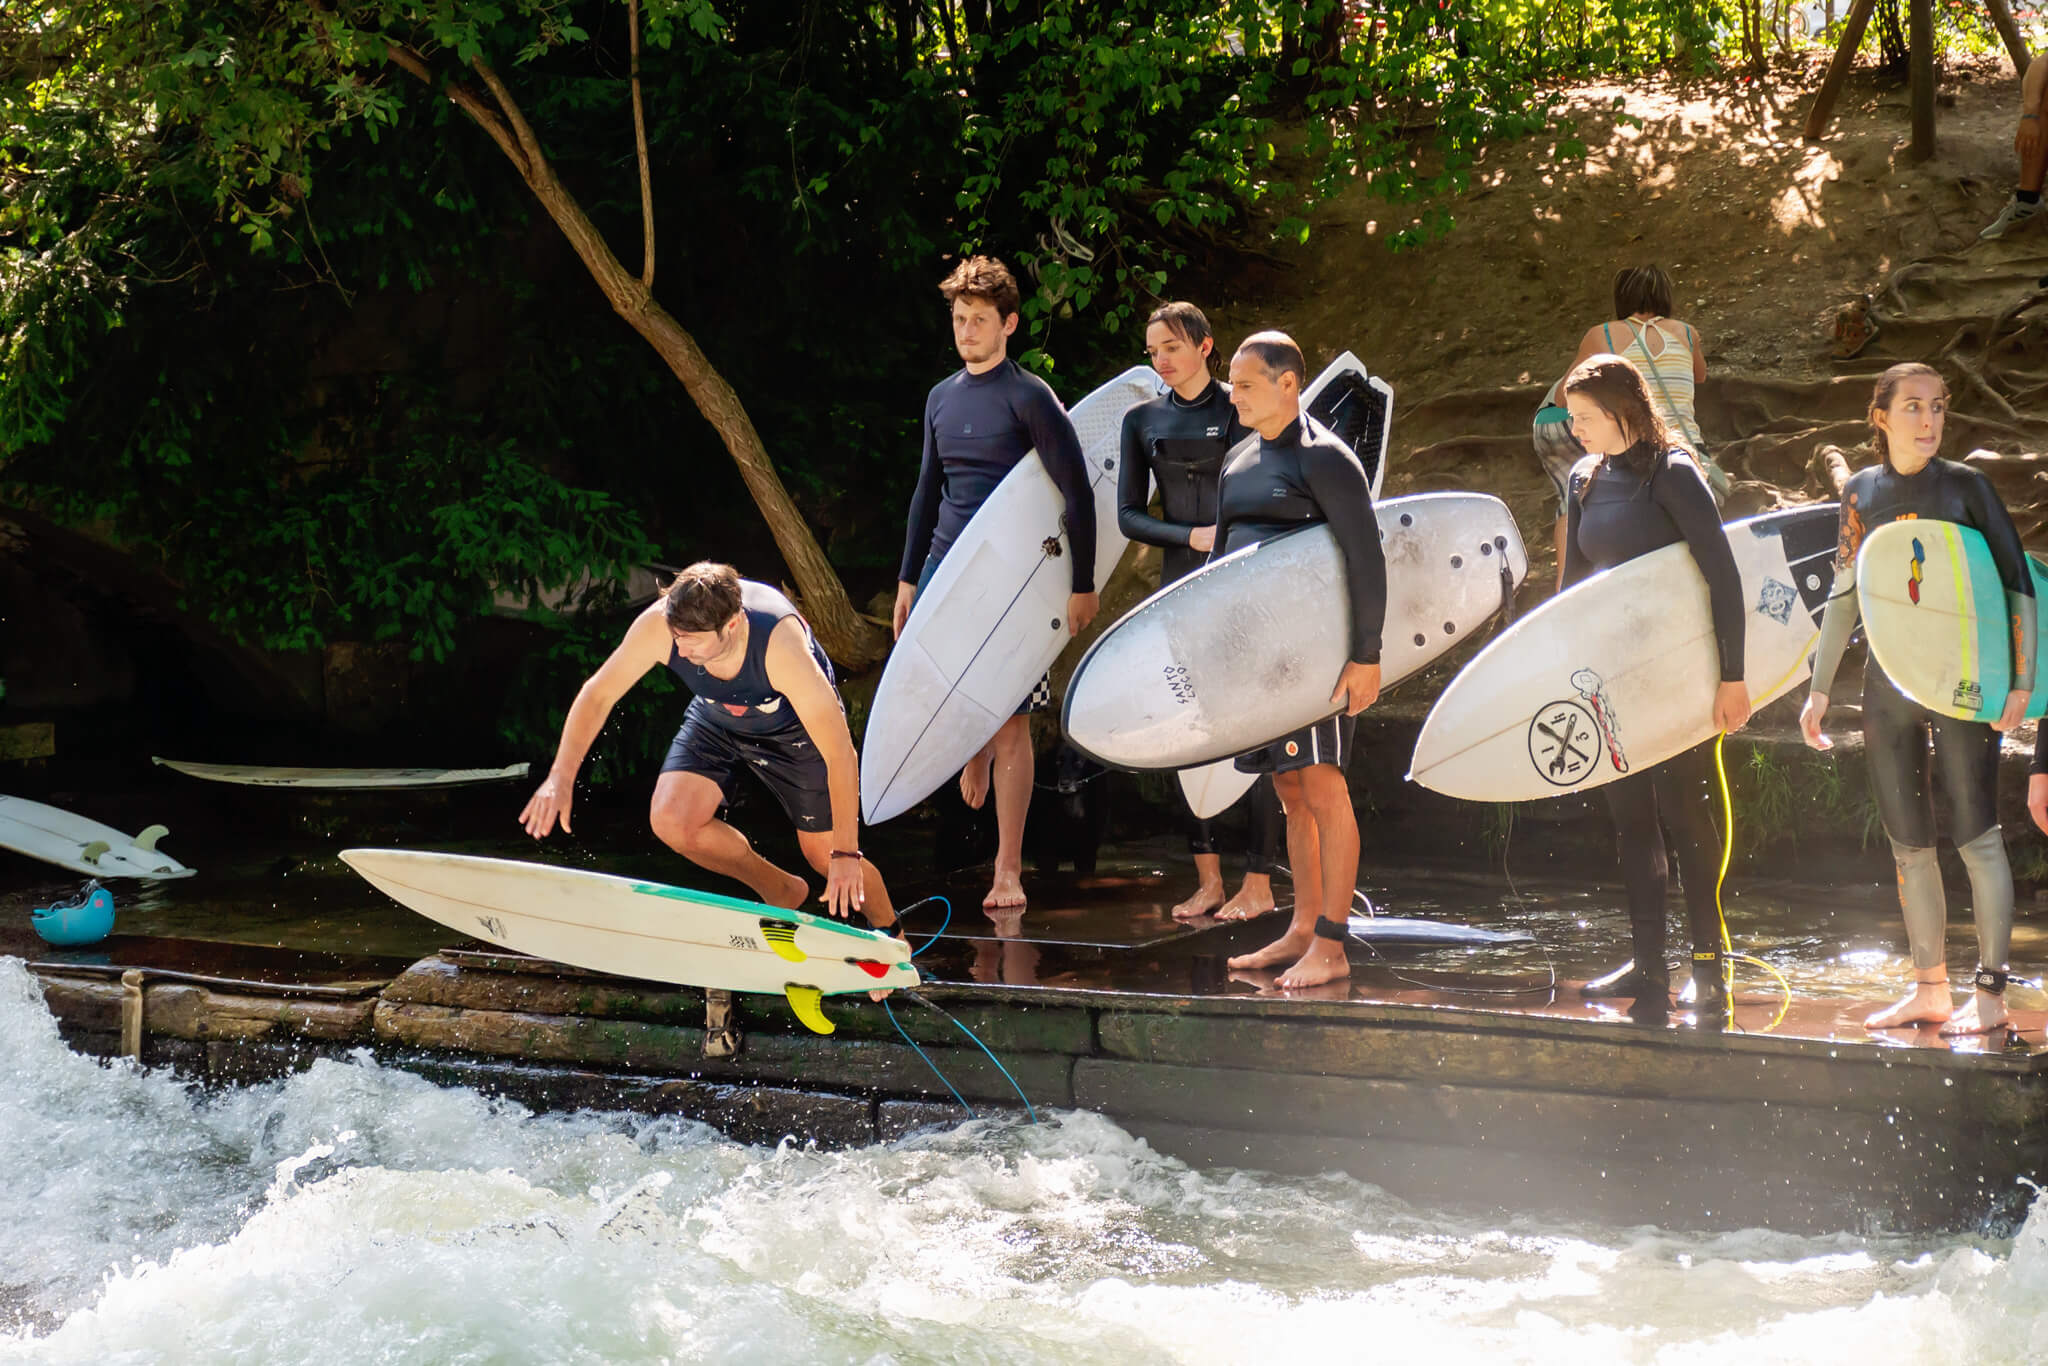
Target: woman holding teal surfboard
[1907, 411]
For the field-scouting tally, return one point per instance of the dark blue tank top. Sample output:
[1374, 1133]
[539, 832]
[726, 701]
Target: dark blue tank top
[745, 702]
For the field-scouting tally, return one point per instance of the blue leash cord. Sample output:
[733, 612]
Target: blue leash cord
[1029, 1109]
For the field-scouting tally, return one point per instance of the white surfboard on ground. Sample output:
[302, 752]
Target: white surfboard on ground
[1248, 648]
[993, 618]
[1618, 672]
[1359, 408]
[359, 779]
[81, 845]
[641, 929]
[1934, 613]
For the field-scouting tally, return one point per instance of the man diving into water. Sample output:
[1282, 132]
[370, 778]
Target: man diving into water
[979, 422]
[764, 700]
[1299, 475]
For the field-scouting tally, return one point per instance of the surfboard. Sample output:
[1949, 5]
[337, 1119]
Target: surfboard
[993, 618]
[363, 779]
[635, 928]
[1397, 929]
[1618, 672]
[1358, 408]
[1934, 614]
[84, 846]
[1248, 647]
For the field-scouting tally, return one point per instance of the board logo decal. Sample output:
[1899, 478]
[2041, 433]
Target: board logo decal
[1913, 578]
[1179, 684]
[493, 926]
[1593, 690]
[1969, 695]
[1293, 748]
[1775, 600]
[1564, 742]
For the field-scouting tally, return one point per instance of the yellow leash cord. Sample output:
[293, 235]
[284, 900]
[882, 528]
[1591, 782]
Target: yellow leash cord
[1728, 953]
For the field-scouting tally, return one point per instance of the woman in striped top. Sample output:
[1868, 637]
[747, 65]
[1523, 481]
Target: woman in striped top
[1667, 351]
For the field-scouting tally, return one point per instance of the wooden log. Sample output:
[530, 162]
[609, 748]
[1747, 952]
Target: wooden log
[2015, 42]
[1920, 64]
[1838, 68]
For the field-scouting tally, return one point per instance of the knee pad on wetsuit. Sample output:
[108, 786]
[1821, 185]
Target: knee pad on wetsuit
[1923, 902]
[1990, 895]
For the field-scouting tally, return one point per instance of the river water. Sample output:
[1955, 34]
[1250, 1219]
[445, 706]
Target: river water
[355, 1213]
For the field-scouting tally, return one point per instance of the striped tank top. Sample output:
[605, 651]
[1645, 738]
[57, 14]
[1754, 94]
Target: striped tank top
[1668, 373]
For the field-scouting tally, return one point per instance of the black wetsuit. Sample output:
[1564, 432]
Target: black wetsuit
[1612, 517]
[1304, 477]
[743, 722]
[1180, 446]
[976, 429]
[1896, 730]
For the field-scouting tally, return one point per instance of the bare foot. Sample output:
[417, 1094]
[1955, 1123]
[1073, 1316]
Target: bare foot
[1287, 948]
[1929, 1004]
[1250, 903]
[1324, 962]
[792, 894]
[974, 779]
[1007, 891]
[1205, 899]
[1981, 1015]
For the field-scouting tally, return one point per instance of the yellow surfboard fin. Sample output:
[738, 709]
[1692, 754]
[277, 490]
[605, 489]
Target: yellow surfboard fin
[781, 937]
[805, 1001]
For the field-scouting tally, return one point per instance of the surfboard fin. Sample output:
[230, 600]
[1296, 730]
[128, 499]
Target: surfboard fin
[805, 1002]
[91, 853]
[150, 835]
[781, 937]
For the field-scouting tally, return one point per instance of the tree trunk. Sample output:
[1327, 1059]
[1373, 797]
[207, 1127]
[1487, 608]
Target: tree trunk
[846, 635]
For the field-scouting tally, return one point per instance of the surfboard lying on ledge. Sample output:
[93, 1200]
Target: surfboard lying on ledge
[361, 779]
[1248, 647]
[1618, 672]
[1934, 613]
[641, 929]
[82, 845]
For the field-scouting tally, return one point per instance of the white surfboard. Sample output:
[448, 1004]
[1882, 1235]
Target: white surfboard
[1934, 613]
[640, 929]
[1359, 409]
[1618, 673]
[361, 779]
[993, 618]
[1247, 648]
[81, 845]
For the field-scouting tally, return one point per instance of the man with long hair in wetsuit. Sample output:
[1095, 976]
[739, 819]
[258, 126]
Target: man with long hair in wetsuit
[1178, 441]
[1300, 474]
[764, 702]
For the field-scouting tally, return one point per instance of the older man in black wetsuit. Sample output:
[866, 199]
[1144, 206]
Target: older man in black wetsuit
[979, 422]
[1299, 474]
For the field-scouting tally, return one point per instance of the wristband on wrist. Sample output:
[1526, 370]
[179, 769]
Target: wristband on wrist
[846, 853]
[2035, 117]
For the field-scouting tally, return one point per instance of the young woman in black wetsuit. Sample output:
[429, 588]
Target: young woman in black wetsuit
[1634, 493]
[1907, 411]
[1178, 440]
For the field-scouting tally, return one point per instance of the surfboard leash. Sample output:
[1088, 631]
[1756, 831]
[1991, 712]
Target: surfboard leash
[936, 934]
[927, 1058]
[1728, 953]
[1387, 966]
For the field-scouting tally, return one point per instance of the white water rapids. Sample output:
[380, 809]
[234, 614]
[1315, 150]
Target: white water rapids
[356, 1213]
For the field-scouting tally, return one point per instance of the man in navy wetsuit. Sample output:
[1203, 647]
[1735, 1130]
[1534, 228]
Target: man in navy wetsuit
[979, 422]
[763, 701]
[1300, 474]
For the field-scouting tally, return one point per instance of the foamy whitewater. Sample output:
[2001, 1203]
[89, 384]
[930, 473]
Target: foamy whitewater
[358, 1214]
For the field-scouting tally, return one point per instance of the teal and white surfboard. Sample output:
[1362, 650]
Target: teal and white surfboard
[1934, 614]
[641, 929]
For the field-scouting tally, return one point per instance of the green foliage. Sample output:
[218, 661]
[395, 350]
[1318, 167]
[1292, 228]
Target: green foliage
[1778, 800]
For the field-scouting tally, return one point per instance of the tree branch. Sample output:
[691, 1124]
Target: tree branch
[509, 107]
[640, 146]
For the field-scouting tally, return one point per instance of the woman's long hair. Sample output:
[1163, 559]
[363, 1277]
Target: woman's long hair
[1617, 386]
[1881, 398]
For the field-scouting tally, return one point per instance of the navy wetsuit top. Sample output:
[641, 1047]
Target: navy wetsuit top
[1303, 477]
[747, 703]
[976, 429]
[1946, 490]
[1613, 516]
[1181, 445]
